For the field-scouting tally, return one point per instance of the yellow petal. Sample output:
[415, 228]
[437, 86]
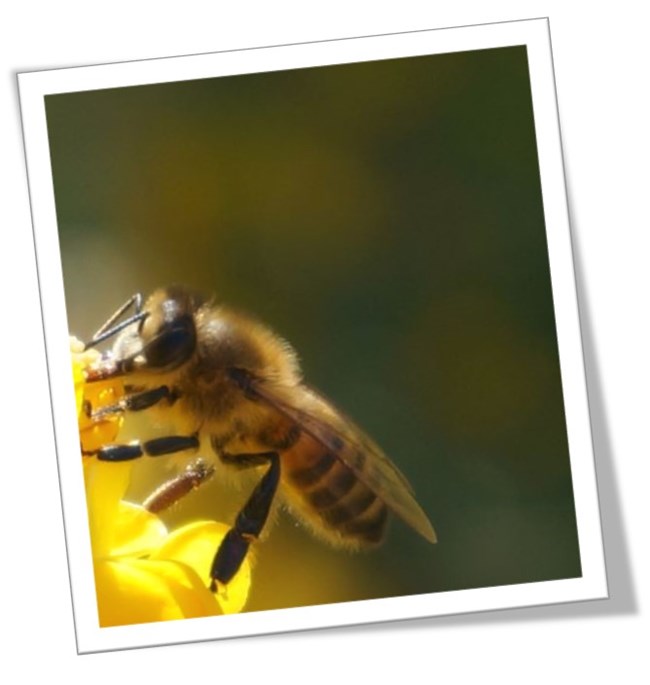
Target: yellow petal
[137, 531]
[196, 544]
[140, 591]
[106, 484]
[79, 382]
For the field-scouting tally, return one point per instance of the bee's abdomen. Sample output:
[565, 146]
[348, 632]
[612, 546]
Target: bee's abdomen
[331, 497]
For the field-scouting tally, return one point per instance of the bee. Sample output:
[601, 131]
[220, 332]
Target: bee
[231, 387]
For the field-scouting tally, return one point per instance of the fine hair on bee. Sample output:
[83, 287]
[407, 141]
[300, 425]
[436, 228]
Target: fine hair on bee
[232, 390]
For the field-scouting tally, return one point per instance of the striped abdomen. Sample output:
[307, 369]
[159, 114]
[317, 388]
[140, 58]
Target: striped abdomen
[330, 496]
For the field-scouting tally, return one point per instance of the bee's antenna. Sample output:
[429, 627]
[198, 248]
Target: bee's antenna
[108, 330]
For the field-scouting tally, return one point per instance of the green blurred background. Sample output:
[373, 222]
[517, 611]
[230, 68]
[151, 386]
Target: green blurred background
[387, 219]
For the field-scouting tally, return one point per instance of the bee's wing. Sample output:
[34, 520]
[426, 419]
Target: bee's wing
[318, 417]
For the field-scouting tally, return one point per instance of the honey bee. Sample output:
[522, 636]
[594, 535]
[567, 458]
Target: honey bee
[233, 388]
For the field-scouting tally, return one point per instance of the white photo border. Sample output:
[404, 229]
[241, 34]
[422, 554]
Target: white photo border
[535, 35]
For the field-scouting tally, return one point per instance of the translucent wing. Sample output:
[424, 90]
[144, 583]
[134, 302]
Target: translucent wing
[318, 417]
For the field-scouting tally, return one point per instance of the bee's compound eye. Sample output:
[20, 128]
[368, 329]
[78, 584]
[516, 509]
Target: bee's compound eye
[172, 345]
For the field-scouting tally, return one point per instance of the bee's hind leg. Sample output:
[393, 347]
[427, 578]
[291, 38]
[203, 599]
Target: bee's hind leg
[250, 520]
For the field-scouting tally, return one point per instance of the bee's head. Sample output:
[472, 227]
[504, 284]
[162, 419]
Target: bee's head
[164, 338]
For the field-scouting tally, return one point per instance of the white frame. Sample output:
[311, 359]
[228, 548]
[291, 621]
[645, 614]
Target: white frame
[534, 34]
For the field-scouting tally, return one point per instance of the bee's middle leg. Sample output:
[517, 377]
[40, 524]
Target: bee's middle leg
[157, 447]
[250, 520]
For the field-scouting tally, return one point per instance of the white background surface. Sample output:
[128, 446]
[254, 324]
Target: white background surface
[601, 62]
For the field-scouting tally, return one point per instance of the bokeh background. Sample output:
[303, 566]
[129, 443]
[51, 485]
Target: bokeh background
[387, 219]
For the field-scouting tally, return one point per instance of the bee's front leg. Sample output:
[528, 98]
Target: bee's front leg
[137, 401]
[250, 520]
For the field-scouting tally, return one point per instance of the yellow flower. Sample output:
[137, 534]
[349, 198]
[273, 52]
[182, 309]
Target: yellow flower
[143, 573]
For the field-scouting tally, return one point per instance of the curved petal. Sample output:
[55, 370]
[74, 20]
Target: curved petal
[141, 591]
[137, 531]
[79, 382]
[106, 484]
